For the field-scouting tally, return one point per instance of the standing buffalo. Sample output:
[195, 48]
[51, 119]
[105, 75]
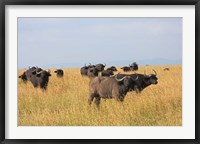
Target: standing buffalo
[40, 79]
[92, 72]
[37, 76]
[84, 70]
[142, 81]
[134, 66]
[59, 73]
[23, 77]
[126, 68]
[107, 73]
[100, 67]
[26, 76]
[113, 68]
[109, 87]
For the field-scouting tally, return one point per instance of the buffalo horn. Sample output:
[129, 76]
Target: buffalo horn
[154, 71]
[135, 78]
[119, 79]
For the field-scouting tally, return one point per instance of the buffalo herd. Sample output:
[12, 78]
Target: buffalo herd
[103, 83]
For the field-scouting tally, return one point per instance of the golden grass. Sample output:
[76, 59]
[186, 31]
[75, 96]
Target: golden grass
[65, 103]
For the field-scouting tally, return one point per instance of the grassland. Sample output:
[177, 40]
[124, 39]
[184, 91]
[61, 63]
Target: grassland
[65, 102]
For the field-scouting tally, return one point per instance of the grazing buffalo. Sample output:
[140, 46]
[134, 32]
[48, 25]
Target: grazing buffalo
[40, 79]
[113, 68]
[59, 73]
[142, 81]
[108, 88]
[107, 73]
[166, 69]
[126, 68]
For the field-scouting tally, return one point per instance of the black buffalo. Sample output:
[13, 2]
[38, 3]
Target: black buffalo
[23, 77]
[40, 79]
[26, 76]
[107, 73]
[126, 68]
[113, 68]
[100, 67]
[142, 81]
[134, 66]
[59, 73]
[108, 88]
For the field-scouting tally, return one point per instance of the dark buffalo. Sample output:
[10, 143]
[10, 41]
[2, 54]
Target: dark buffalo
[142, 81]
[84, 70]
[126, 68]
[107, 73]
[23, 77]
[134, 67]
[113, 68]
[100, 67]
[59, 73]
[40, 79]
[108, 88]
[26, 76]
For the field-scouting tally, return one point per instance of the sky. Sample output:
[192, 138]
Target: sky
[74, 42]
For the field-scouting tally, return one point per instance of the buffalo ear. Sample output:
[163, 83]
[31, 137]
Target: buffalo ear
[38, 75]
[55, 71]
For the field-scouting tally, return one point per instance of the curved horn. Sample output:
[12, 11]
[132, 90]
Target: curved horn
[39, 72]
[119, 79]
[135, 78]
[154, 71]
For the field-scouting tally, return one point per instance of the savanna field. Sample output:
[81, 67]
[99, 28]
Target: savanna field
[65, 102]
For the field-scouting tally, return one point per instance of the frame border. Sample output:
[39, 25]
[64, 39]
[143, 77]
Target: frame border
[3, 4]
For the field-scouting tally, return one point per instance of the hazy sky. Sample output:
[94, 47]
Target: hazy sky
[54, 41]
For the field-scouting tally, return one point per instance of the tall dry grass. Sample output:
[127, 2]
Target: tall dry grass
[65, 102]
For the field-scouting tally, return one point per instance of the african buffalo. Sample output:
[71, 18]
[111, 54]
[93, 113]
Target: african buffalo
[109, 87]
[23, 77]
[26, 76]
[100, 67]
[59, 73]
[142, 81]
[107, 73]
[84, 70]
[113, 68]
[40, 79]
[126, 68]
[134, 66]
[92, 72]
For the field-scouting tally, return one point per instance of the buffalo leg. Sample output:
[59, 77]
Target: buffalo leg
[97, 101]
[91, 98]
